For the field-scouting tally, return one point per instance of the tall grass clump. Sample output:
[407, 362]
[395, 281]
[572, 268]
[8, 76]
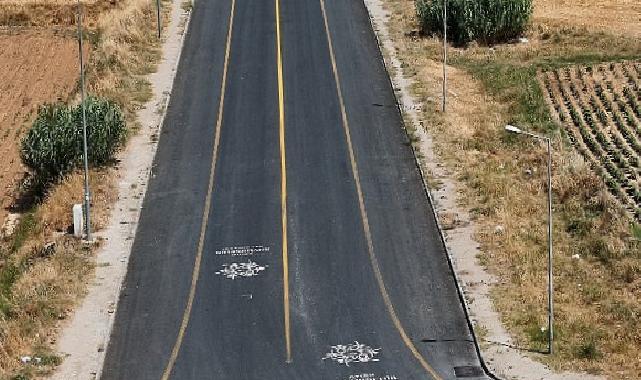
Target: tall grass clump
[53, 146]
[485, 21]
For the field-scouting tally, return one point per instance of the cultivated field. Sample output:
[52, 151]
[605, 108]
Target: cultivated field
[35, 68]
[600, 108]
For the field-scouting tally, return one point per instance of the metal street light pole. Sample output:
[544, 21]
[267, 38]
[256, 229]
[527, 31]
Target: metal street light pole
[84, 125]
[513, 129]
[158, 17]
[444, 54]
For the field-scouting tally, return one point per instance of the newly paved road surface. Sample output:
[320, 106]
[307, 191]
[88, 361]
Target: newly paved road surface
[285, 233]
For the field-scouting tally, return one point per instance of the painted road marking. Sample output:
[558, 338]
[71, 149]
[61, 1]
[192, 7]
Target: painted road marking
[361, 204]
[241, 270]
[352, 353]
[246, 250]
[371, 376]
[283, 185]
[210, 189]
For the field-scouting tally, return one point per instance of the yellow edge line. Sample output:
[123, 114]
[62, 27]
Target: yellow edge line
[283, 186]
[361, 204]
[205, 219]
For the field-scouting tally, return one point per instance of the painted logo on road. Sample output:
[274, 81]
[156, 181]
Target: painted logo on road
[239, 270]
[352, 353]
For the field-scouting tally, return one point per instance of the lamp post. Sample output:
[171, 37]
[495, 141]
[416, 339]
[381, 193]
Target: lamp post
[84, 126]
[444, 54]
[513, 129]
[158, 17]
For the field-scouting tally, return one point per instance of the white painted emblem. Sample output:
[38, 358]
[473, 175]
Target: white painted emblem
[352, 353]
[243, 269]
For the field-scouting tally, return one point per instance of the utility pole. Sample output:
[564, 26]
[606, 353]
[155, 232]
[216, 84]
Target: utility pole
[444, 54]
[158, 17]
[84, 125]
[550, 284]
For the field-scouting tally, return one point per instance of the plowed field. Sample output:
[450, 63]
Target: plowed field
[34, 68]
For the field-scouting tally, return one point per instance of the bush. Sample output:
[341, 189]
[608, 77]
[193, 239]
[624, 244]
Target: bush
[53, 146]
[485, 21]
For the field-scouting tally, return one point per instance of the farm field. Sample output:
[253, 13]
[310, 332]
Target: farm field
[35, 68]
[600, 109]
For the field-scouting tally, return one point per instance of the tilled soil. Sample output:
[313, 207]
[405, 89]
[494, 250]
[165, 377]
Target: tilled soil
[35, 68]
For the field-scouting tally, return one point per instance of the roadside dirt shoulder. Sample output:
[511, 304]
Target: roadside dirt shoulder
[84, 340]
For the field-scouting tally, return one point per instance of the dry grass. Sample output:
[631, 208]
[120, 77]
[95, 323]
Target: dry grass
[39, 287]
[611, 16]
[55, 215]
[56, 14]
[504, 184]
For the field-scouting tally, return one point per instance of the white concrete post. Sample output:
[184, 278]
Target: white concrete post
[78, 221]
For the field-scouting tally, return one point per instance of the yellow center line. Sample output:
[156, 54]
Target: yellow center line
[283, 185]
[361, 204]
[205, 218]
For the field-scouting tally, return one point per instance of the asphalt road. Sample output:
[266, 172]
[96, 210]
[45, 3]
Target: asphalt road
[285, 233]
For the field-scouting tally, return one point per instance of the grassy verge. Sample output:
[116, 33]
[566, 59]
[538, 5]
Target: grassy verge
[43, 272]
[598, 258]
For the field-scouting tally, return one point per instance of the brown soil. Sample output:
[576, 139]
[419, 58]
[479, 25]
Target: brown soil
[35, 68]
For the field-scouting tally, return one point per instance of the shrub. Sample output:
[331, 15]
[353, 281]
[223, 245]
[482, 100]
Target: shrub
[485, 21]
[53, 146]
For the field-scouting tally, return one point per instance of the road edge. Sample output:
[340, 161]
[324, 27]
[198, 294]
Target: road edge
[83, 341]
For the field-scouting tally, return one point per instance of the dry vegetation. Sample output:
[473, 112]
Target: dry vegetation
[42, 271]
[613, 16]
[598, 256]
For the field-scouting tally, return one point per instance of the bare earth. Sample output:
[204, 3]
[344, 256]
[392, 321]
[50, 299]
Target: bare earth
[35, 68]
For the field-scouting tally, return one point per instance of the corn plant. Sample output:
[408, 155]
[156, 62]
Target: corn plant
[486, 21]
[53, 146]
